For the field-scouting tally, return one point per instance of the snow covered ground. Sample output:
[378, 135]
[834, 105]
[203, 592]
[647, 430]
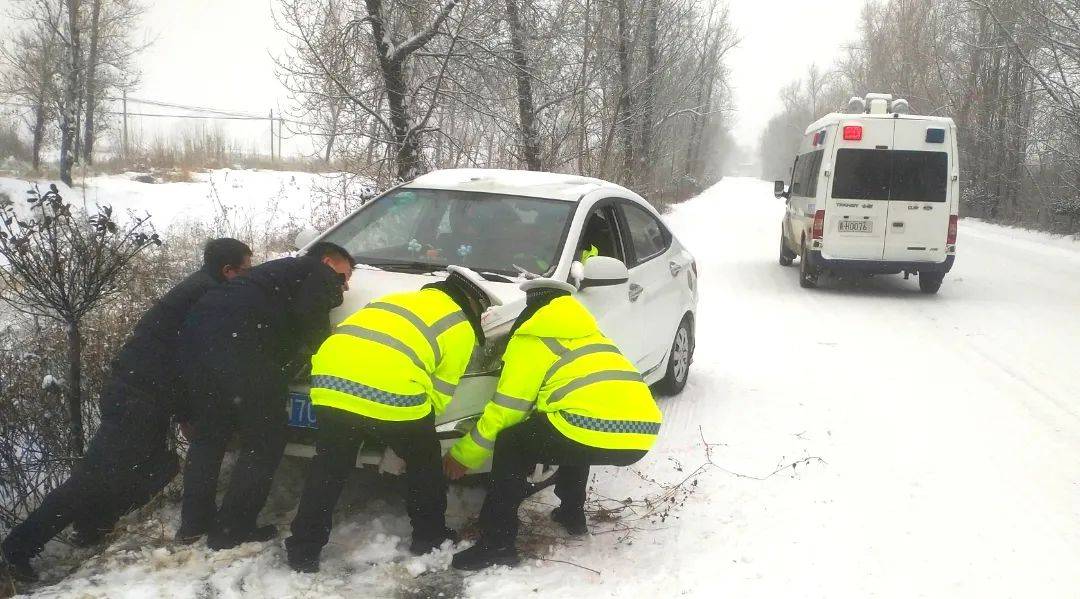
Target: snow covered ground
[244, 196]
[923, 446]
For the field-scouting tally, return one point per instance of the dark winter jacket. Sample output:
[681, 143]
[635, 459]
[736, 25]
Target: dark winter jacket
[147, 363]
[241, 337]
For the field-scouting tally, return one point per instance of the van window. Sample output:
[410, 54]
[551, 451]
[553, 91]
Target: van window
[919, 176]
[902, 175]
[805, 178]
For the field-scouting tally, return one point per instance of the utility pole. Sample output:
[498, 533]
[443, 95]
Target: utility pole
[279, 121]
[125, 137]
[271, 135]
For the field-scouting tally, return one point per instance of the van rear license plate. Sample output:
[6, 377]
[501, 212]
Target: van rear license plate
[856, 226]
[300, 413]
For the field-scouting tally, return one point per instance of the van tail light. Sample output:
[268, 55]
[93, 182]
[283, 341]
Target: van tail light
[819, 224]
[953, 225]
[853, 133]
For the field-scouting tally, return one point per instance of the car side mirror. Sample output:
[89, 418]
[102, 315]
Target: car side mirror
[303, 238]
[603, 271]
[779, 191]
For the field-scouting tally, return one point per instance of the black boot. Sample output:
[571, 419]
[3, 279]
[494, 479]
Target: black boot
[227, 538]
[18, 570]
[188, 534]
[305, 563]
[572, 520]
[422, 545]
[484, 555]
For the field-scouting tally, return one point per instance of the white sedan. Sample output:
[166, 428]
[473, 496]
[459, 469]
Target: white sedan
[510, 226]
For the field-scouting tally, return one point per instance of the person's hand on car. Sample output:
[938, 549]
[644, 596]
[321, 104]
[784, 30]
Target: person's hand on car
[452, 468]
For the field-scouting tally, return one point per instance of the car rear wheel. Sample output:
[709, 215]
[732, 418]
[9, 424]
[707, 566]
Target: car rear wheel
[808, 272]
[678, 367]
[786, 256]
[930, 282]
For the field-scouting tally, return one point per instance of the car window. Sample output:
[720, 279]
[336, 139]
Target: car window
[891, 175]
[433, 228]
[600, 235]
[805, 177]
[813, 169]
[648, 236]
[919, 176]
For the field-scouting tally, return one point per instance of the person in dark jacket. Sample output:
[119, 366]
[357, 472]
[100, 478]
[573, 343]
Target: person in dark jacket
[241, 345]
[128, 460]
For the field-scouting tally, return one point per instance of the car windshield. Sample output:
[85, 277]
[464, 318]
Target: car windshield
[891, 175]
[428, 229]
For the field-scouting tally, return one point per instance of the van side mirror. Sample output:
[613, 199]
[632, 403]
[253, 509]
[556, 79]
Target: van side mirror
[779, 191]
[603, 271]
[304, 237]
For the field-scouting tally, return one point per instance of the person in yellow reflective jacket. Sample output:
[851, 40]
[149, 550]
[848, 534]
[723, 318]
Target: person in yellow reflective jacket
[566, 396]
[384, 374]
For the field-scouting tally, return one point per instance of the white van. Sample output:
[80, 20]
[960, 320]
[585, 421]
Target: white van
[874, 190]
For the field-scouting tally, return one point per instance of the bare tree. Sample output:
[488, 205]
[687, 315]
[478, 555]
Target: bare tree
[60, 264]
[530, 143]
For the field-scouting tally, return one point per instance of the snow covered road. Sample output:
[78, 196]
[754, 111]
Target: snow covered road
[936, 442]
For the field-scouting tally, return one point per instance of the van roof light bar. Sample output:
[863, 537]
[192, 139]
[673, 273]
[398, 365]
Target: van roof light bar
[856, 105]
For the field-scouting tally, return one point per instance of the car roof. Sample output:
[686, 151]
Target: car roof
[534, 184]
[838, 117]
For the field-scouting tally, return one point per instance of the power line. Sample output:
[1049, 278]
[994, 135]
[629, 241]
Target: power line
[224, 116]
[162, 104]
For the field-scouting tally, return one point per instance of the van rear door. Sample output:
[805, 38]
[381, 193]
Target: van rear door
[919, 204]
[857, 207]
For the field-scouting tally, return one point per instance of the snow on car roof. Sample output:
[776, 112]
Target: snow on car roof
[522, 183]
[838, 117]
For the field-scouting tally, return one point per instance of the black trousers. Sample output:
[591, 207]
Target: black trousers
[257, 415]
[339, 437]
[126, 464]
[517, 450]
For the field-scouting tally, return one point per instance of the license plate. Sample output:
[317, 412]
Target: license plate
[856, 226]
[300, 413]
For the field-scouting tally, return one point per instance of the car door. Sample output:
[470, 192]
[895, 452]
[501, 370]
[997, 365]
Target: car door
[918, 193]
[610, 305]
[857, 207]
[654, 290]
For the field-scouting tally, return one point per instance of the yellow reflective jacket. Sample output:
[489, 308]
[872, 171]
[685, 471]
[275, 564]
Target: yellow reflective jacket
[396, 359]
[559, 363]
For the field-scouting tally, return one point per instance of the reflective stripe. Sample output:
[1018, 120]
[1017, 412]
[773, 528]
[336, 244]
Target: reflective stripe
[570, 356]
[589, 379]
[513, 403]
[556, 348]
[414, 320]
[442, 386]
[382, 339]
[369, 393]
[480, 440]
[639, 427]
[446, 322]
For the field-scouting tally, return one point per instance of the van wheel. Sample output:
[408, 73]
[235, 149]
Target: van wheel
[930, 282]
[808, 272]
[786, 256]
[678, 367]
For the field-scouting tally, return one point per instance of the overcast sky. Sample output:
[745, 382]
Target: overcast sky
[217, 53]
